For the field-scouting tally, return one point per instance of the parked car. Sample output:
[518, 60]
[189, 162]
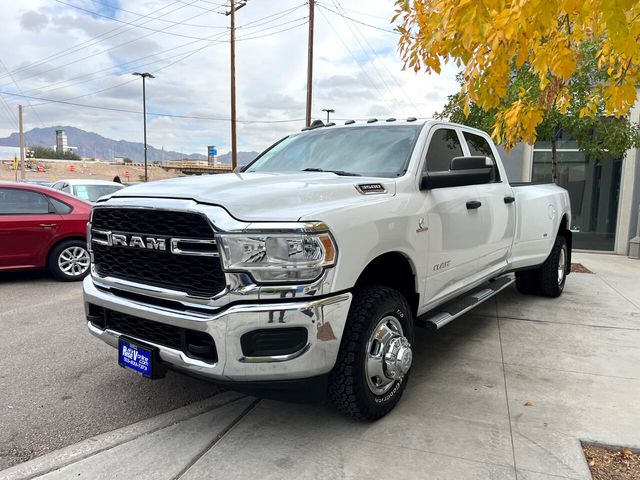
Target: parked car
[311, 267]
[43, 228]
[87, 189]
[43, 183]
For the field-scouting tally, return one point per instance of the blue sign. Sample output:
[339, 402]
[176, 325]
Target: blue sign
[212, 151]
[134, 357]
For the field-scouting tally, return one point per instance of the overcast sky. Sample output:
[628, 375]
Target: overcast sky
[82, 55]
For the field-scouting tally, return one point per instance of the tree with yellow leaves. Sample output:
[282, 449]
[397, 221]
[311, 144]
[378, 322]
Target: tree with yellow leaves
[597, 136]
[489, 40]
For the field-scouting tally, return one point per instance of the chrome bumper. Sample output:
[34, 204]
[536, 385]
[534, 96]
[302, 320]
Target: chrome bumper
[323, 318]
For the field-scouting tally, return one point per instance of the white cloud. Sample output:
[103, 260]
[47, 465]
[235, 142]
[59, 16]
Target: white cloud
[357, 70]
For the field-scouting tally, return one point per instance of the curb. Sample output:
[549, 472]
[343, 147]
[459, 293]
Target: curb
[105, 441]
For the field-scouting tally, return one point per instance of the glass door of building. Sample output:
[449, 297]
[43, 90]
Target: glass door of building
[594, 189]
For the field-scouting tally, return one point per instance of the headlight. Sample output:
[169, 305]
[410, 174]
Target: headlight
[278, 257]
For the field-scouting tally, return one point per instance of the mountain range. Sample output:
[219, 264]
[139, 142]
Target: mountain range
[93, 145]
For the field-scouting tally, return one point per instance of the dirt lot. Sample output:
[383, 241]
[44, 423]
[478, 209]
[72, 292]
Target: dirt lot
[102, 171]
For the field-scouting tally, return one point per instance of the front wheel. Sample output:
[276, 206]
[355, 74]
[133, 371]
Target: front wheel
[375, 355]
[69, 260]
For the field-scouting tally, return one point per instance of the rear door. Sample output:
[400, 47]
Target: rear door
[453, 229]
[27, 228]
[498, 210]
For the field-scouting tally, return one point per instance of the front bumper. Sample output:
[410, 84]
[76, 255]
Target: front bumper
[323, 318]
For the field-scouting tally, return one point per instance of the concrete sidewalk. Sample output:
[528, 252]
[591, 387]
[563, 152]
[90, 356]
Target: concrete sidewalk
[505, 392]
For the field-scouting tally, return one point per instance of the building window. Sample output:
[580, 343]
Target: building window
[594, 189]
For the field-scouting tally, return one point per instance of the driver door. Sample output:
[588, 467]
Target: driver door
[453, 227]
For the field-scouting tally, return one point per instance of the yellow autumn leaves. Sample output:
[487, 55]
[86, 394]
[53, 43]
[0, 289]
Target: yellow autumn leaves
[487, 39]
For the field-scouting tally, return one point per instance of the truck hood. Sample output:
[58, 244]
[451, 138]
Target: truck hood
[265, 196]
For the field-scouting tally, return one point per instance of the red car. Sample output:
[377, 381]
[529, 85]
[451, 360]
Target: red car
[43, 228]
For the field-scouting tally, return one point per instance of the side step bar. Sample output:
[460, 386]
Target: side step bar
[443, 314]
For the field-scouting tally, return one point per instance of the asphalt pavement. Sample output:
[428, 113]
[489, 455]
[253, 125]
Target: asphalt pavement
[60, 385]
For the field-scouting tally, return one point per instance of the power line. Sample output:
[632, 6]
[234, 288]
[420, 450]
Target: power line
[346, 46]
[211, 3]
[95, 40]
[183, 56]
[157, 114]
[373, 65]
[365, 14]
[104, 51]
[250, 25]
[160, 19]
[20, 90]
[249, 37]
[339, 6]
[358, 21]
[133, 24]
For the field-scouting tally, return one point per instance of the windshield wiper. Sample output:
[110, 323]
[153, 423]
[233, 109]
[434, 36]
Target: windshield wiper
[342, 173]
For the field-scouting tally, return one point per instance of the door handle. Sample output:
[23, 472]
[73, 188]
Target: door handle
[47, 225]
[509, 199]
[473, 204]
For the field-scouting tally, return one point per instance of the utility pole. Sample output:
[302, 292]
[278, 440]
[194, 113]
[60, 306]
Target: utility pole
[234, 146]
[328, 110]
[144, 76]
[22, 172]
[310, 64]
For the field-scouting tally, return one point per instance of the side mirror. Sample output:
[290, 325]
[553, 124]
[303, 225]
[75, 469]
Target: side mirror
[470, 163]
[462, 171]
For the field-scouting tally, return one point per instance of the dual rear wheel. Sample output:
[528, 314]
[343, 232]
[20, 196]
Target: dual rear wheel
[548, 279]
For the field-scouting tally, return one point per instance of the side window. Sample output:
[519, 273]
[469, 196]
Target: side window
[478, 146]
[61, 207]
[66, 188]
[444, 146]
[22, 202]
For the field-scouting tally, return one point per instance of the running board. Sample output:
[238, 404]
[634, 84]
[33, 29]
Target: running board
[443, 314]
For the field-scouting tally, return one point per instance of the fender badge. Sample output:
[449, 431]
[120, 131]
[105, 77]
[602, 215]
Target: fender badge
[370, 188]
[421, 228]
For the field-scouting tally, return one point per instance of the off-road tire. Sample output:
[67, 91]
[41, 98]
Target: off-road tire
[548, 278]
[348, 389]
[54, 254]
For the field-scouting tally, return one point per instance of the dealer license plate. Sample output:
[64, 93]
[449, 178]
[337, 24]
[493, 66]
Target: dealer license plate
[135, 357]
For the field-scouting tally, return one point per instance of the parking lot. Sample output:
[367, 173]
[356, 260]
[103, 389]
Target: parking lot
[507, 391]
[59, 385]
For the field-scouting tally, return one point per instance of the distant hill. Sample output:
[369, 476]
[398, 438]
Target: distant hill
[243, 157]
[91, 144]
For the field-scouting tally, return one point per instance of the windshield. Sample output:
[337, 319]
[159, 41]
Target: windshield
[377, 151]
[92, 193]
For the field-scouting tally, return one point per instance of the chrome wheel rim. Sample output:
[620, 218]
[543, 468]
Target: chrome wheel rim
[73, 261]
[388, 356]
[561, 265]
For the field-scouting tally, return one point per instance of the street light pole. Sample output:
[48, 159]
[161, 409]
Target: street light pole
[144, 76]
[328, 110]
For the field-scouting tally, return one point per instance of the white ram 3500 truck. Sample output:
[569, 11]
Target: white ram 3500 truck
[309, 270]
